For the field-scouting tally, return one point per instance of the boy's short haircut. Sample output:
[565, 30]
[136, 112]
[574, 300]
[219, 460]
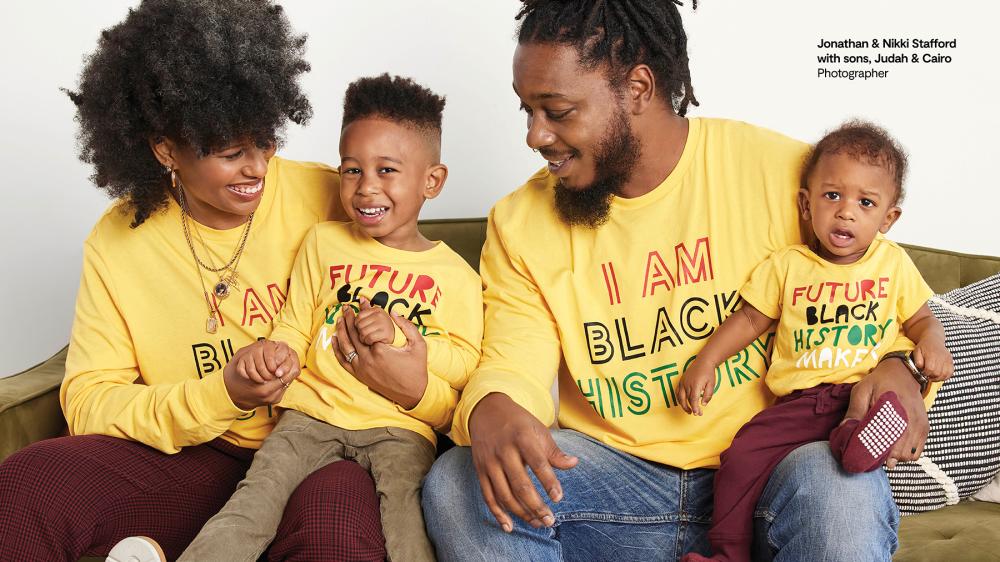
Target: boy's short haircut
[395, 98]
[865, 142]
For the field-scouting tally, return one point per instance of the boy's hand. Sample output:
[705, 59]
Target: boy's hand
[374, 325]
[696, 387]
[264, 361]
[933, 359]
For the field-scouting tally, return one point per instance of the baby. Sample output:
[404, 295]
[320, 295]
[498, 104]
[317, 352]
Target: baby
[839, 302]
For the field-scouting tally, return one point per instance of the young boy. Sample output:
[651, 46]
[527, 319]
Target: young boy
[839, 302]
[360, 273]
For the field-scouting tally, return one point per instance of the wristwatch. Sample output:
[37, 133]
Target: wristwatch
[907, 360]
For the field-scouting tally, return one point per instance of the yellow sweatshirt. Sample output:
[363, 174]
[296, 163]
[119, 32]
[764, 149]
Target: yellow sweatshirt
[835, 321]
[620, 311]
[141, 365]
[435, 289]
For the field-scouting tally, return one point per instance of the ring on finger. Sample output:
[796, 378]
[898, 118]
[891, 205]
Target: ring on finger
[350, 356]
[283, 382]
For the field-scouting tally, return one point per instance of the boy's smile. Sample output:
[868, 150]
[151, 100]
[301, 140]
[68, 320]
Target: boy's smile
[387, 170]
[848, 202]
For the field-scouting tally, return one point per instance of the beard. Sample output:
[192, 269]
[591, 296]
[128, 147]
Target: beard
[616, 156]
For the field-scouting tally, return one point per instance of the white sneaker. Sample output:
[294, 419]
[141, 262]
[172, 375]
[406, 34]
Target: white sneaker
[136, 549]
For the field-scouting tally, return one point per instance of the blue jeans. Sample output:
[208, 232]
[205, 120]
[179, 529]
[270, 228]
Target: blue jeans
[618, 507]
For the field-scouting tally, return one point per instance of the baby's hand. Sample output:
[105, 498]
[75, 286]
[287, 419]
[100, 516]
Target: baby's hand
[696, 387]
[374, 324]
[933, 359]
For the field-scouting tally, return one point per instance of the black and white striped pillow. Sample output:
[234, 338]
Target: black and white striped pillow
[962, 453]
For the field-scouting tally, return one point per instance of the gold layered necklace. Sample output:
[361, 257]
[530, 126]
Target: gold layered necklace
[227, 273]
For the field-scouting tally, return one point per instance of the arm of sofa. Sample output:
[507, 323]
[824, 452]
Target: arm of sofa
[29, 405]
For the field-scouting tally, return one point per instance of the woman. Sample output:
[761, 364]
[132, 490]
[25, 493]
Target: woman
[181, 108]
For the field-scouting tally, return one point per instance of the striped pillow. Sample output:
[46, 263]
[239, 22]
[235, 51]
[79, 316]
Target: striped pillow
[962, 453]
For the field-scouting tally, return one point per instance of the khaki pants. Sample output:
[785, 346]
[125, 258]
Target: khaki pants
[397, 458]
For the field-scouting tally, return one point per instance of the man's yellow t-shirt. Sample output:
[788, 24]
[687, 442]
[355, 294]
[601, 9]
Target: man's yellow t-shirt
[834, 321]
[435, 289]
[620, 311]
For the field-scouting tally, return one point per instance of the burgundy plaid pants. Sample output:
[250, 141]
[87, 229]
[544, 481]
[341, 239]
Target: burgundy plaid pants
[64, 498]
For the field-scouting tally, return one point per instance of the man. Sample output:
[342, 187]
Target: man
[611, 267]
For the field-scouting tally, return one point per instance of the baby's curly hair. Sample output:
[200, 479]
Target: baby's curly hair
[866, 142]
[395, 98]
[203, 73]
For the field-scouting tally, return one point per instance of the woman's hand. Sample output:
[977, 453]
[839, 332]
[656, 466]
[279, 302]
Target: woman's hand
[259, 374]
[398, 373]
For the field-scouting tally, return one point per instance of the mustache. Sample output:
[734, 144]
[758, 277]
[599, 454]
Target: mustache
[550, 154]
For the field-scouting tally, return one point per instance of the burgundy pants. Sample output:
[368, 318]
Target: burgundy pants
[797, 419]
[64, 498]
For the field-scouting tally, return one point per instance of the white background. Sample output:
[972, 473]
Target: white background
[754, 61]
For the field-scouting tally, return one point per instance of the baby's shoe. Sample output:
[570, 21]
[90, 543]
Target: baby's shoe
[136, 549]
[862, 446]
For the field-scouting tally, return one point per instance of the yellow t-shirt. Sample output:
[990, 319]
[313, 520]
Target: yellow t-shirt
[435, 289]
[620, 311]
[834, 321]
[141, 365]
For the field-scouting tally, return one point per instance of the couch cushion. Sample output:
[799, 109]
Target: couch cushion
[465, 236]
[962, 453]
[945, 271]
[968, 532]
[29, 409]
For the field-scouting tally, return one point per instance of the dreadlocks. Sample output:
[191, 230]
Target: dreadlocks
[619, 34]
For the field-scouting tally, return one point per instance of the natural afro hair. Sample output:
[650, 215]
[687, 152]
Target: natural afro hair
[865, 142]
[619, 34]
[394, 98]
[203, 73]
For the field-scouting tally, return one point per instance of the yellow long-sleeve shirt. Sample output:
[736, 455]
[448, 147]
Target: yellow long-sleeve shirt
[620, 311]
[435, 289]
[141, 365]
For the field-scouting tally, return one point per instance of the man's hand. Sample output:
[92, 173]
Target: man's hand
[696, 387]
[933, 359]
[259, 374]
[886, 376]
[373, 324]
[505, 438]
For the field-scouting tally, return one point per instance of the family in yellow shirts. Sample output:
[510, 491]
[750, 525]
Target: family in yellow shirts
[265, 352]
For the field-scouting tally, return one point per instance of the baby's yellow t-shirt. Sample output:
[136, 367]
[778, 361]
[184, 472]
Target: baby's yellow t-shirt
[834, 321]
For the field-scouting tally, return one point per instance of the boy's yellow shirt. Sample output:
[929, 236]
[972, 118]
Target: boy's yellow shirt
[618, 312]
[141, 365]
[835, 321]
[434, 289]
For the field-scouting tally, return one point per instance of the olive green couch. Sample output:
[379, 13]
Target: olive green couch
[969, 531]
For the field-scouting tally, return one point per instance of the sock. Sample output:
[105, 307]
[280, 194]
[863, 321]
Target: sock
[862, 446]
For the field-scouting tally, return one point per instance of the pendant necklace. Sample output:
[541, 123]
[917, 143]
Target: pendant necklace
[228, 273]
